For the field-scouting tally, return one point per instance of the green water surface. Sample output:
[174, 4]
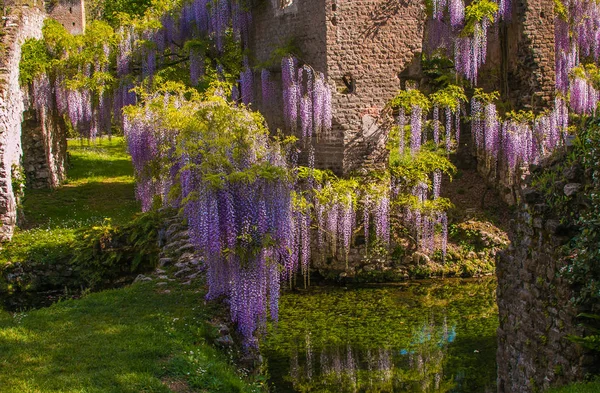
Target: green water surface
[433, 336]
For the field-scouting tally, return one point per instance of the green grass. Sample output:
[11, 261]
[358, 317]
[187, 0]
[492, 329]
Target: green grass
[99, 186]
[143, 338]
[136, 339]
[592, 387]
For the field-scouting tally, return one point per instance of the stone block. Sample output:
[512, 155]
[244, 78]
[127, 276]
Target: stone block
[572, 189]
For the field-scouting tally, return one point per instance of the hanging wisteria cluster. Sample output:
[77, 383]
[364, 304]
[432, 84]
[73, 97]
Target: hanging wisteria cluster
[243, 228]
[463, 31]
[449, 100]
[335, 204]
[446, 104]
[521, 139]
[470, 52]
[84, 89]
[583, 93]
[576, 40]
[88, 110]
[306, 98]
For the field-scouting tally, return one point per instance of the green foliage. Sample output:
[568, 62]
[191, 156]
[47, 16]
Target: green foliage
[57, 38]
[439, 69]
[406, 99]
[560, 10]
[114, 11]
[428, 207]
[413, 170]
[102, 254]
[582, 387]
[591, 341]
[476, 12]
[449, 97]
[550, 183]
[334, 189]
[583, 270]
[35, 60]
[81, 61]
[485, 98]
[521, 116]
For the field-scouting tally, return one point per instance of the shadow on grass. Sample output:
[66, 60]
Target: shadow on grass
[86, 167]
[80, 205]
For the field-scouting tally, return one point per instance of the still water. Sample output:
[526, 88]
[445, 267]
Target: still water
[431, 336]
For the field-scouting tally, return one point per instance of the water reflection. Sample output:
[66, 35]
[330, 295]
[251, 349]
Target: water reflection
[422, 339]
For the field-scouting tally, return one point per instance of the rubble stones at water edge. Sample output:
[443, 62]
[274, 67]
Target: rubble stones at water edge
[177, 260]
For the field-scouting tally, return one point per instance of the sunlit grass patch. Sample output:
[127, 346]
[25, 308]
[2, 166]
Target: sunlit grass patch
[100, 186]
[127, 340]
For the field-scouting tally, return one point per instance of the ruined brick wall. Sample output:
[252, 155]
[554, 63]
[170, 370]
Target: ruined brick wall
[70, 14]
[535, 311]
[21, 24]
[520, 64]
[531, 76]
[302, 22]
[374, 41]
[44, 148]
[520, 59]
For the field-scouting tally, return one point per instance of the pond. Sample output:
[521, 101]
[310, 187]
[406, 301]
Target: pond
[429, 336]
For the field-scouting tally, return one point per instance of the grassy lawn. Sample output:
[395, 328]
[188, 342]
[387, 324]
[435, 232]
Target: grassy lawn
[100, 185]
[142, 338]
[138, 339]
[592, 387]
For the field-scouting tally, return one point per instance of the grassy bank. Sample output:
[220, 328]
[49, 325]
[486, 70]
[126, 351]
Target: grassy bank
[148, 337]
[142, 338]
[99, 187]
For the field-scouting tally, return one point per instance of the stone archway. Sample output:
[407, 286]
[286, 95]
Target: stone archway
[44, 139]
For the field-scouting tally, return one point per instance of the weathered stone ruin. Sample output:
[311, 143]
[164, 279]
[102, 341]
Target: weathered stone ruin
[369, 49]
[534, 302]
[21, 24]
[32, 142]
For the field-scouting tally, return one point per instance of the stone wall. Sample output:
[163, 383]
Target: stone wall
[534, 306]
[21, 24]
[44, 148]
[303, 23]
[520, 57]
[373, 41]
[377, 42]
[530, 55]
[70, 14]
